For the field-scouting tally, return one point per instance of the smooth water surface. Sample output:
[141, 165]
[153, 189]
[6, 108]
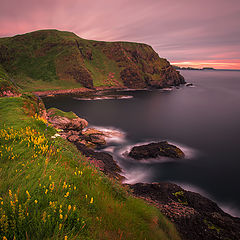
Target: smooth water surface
[204, 120]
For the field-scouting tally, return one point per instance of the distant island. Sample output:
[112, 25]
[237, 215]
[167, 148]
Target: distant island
[204, 68]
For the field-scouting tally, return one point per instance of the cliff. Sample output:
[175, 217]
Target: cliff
[51, 59]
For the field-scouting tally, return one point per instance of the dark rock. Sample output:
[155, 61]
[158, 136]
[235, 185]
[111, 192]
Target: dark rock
[195, 216]
[65, 123]
[94, 136]
[188, 84]
[108, 165]
[132, 78]
[154, 150]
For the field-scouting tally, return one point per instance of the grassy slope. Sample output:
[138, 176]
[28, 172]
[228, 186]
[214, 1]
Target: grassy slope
[48, 190]
[51, 59]
[58, 112]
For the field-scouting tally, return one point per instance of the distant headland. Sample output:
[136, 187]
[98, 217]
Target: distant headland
[204, 68]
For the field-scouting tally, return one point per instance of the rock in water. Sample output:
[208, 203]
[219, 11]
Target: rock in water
[154, 150]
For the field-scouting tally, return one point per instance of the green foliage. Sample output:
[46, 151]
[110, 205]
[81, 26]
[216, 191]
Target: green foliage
[48, 190]
[211, 226]
[52, 60]
[58, 112]
[180, 197]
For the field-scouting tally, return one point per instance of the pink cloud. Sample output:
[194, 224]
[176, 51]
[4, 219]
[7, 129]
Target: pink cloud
[178, 30]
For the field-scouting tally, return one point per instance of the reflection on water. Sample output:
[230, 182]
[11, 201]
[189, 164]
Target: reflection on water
[203, 120]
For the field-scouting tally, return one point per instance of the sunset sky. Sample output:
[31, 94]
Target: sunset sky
[192, 33]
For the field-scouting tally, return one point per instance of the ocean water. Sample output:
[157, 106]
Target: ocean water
[203, 120]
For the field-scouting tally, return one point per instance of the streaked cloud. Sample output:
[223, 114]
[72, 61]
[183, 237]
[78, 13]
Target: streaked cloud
[186, 30]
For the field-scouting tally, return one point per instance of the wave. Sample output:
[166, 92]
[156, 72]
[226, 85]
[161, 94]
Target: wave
[133, 90]
[103, 98]
[136, 176]
[112, 134]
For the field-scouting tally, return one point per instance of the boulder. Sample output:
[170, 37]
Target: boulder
[94, 136]
[77, 124]
[155, 150]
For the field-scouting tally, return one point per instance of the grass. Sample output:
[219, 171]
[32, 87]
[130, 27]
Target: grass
[48, 190]
[58, 112]
[53, 60]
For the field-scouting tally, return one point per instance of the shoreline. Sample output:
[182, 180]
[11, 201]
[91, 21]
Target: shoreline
[194, 215]
[74, 91]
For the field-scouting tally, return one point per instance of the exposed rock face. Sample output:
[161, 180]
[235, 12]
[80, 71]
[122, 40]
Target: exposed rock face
[154, 150]
[72, 59]
[195, 216]
[95, 136]
[131, 78]
[77, 124]
[103, 160]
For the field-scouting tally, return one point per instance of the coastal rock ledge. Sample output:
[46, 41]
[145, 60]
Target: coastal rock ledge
[194, 216]
[155, 150]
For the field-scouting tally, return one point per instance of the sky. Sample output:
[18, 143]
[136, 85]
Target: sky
[195, 33]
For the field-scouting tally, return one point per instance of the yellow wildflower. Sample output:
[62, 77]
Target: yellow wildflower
[29, 196]
[60, 226]
[65, 238]
[69, 207]
[66, 195]
[36, 201]
[74, 208]
[10, 193]
[60, 216]
[91, 201]
[46, 191]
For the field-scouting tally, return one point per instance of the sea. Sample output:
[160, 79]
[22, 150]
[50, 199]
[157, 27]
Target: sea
[203, 119]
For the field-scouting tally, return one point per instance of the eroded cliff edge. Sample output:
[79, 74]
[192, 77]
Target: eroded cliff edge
[51, 59]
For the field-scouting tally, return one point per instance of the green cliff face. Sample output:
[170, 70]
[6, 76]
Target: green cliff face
[51, 59]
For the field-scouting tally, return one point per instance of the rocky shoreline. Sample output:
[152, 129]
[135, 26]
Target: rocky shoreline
[52, 93]
[194, 216]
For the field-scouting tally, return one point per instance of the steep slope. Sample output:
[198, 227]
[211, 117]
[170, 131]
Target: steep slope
[49, 190]
[51, 59]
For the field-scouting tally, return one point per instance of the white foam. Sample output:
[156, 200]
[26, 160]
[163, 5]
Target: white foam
[189, 152]
[166, 89]
[112, 134]
[117, 97]
[133, 89]
[230, 209]
[110, 149]
[137, 175]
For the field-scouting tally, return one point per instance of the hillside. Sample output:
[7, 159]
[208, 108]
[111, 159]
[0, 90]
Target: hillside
[49, 190]
[51, 60]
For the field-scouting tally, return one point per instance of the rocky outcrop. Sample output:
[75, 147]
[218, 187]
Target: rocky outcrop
[104, 161]
[65, 123]
[77, 62]
[155, 150]
[195, 216]
[94, 136]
